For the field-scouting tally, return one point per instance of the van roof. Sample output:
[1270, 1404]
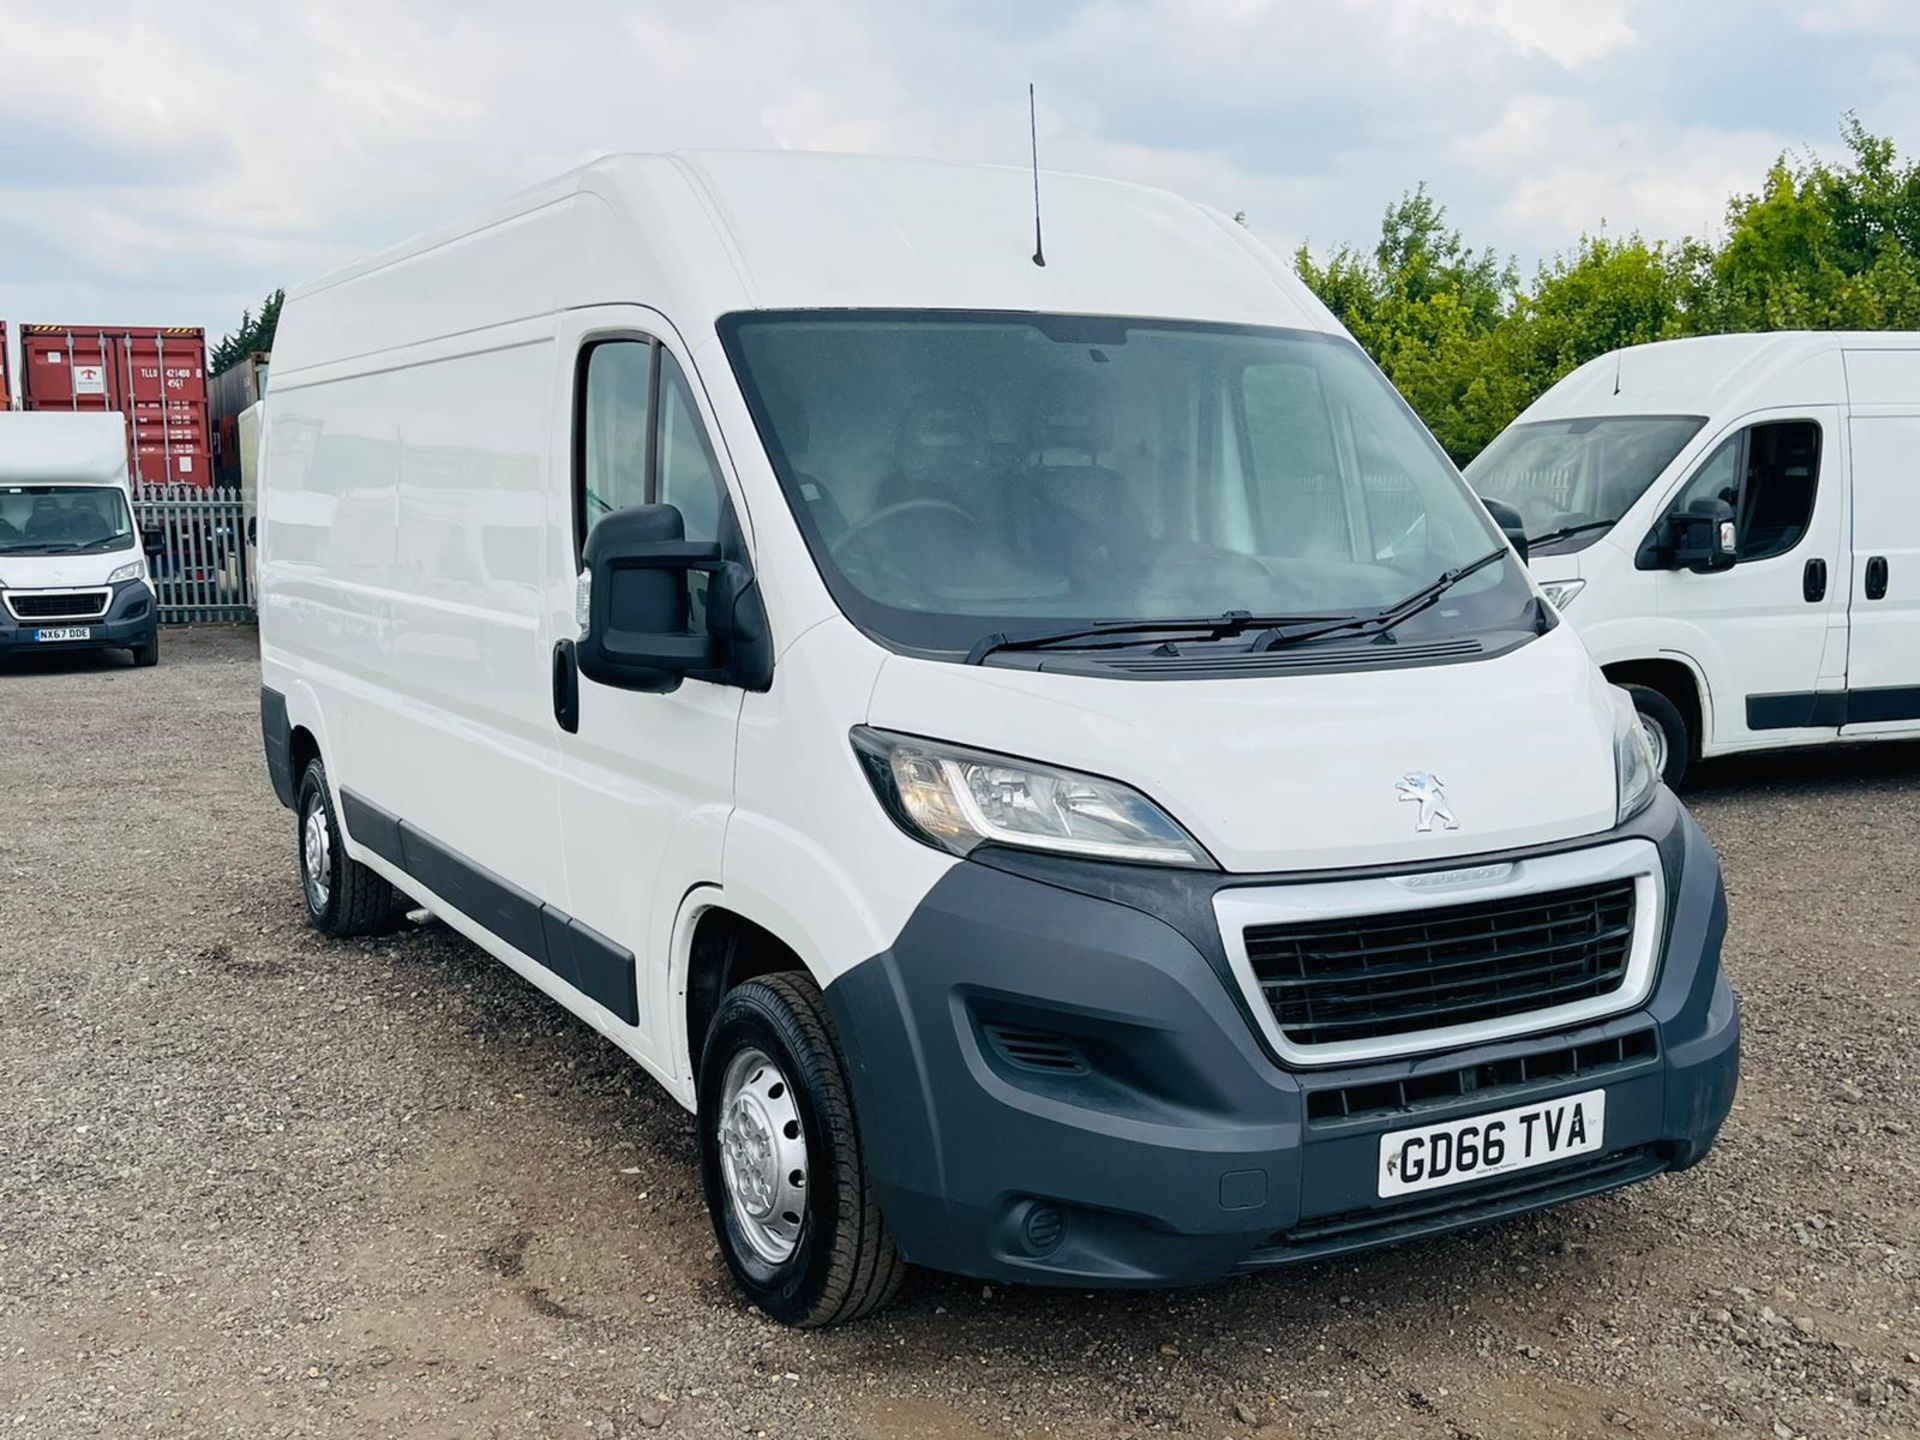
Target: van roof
[41, 447]
[699, 234]
[1714, 374]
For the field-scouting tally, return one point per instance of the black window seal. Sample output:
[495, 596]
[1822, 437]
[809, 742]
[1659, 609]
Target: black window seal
[577, 462]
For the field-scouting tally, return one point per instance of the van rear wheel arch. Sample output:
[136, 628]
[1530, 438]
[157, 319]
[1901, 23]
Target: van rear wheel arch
[303, 750]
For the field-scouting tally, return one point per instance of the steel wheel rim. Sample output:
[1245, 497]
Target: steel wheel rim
[316, 855]
[1657, 739]
[763, 1155]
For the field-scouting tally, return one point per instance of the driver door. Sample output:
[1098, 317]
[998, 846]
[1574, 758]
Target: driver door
[1770, 632]
[646, 781]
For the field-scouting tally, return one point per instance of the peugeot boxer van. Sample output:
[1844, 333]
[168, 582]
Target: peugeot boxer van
[73, 570]
[1037, 748]
[1733, 525]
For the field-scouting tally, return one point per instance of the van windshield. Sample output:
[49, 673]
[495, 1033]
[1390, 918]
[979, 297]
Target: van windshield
[960, 474]
[1572, 479]
[63, 519]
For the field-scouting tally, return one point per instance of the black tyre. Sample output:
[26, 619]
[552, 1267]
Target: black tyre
[781, 1162]
[148, 653]
[343, 896]
[1667, 730]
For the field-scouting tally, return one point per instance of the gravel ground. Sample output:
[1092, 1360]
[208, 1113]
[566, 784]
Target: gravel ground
[256, 1184]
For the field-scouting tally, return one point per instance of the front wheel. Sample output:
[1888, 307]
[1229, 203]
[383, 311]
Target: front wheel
[1666, 731]
[147, 652]
[781, 1163]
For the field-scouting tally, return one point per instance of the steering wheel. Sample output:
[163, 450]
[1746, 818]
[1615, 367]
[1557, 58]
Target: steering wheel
[887, 514]
[884, 567]
[1541, 514]
[1186, 575]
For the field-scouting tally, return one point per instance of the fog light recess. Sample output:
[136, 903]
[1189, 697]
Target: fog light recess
[1044, 1229]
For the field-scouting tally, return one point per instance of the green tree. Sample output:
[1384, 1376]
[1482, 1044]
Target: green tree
[1423, 303]
[1818, 246]
[1821, 246]
[254, 333]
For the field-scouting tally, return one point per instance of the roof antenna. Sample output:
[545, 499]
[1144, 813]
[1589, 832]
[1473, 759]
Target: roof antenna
[1616, 372]
[1033, 135]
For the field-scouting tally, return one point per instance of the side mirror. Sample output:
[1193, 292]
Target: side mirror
[639, 633]
[1510, 523]
[153, 539]
[1702, 537]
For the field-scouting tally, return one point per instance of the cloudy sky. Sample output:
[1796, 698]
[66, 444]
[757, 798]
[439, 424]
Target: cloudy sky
[168, 163]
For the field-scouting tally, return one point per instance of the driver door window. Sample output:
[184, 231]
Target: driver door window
[1769, 474]
[642, 443]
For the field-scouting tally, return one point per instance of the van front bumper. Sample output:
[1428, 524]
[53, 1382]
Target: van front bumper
[131, 620]
[1054, 1085]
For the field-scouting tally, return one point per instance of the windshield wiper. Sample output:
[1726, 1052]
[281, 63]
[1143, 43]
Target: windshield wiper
[1566, 530]
[1217, 627]
[1383, 620]
[41, 547]
[1237, 622]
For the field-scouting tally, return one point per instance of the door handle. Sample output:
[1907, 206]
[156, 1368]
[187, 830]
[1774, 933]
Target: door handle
[566, 688]
[1813, 581]
[1877, 578]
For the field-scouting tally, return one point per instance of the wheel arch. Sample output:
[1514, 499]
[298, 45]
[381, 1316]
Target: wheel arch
[719, 947]
[303, 748]
[1676, 679]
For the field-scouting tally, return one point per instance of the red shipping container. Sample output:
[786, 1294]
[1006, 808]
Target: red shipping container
[155, 376]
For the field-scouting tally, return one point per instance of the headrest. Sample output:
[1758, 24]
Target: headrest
[943, 431]
[1075, 416]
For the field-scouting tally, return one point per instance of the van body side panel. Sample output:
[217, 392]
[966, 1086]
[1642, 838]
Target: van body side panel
[811, 855]
[327, 528]
[1883, 599]
[405, 531]
[467, 749]
[1751, 628]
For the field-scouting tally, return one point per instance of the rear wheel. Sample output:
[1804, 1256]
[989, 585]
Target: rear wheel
[148, 652]
[781, 1162]
[1666, 731]
[343, 896]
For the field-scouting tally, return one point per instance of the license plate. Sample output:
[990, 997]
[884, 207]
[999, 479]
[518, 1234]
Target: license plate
[65, 632]
[1497, 1144]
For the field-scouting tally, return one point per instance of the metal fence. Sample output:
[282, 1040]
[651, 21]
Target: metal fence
[201, 571]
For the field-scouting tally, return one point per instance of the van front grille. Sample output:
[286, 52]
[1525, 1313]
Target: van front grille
[1343, 1102]
[1362, 977]
[59, 605]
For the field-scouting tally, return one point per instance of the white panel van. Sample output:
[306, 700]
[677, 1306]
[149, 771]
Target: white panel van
[73, 566]
[1048, 760]
[1733, 525]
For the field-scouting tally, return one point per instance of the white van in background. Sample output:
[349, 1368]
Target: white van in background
[73, 570]
[1047, 759]
[1733, 525]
